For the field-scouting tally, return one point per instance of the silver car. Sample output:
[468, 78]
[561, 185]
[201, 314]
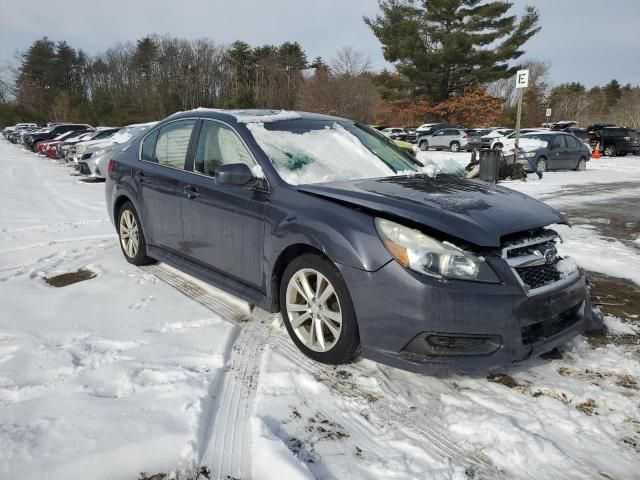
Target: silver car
[454, 139]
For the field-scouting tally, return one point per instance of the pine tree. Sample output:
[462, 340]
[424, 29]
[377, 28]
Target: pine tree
[444, 46]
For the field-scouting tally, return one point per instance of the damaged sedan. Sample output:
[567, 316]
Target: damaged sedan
[362, 248]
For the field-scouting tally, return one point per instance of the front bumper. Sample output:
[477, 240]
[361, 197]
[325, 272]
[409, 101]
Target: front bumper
[397, 308]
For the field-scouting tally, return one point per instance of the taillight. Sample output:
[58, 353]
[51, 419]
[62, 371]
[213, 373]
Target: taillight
[110, 166]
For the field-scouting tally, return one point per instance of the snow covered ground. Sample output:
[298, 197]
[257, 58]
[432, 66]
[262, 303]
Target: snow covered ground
[148, 370]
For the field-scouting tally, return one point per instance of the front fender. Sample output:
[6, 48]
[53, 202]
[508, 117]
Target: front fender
[345, 235]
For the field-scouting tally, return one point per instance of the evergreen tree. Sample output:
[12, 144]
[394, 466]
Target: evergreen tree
[612, 92]
[444, 46]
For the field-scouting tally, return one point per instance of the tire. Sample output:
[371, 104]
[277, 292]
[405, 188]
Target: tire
[497, 146]
[340, 340]
[129, 228]
[610, 151]
[455, 146]
[541, 165]
[582, 165]
[423, 145]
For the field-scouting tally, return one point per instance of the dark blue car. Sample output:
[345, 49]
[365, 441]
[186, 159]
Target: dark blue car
[325, 220]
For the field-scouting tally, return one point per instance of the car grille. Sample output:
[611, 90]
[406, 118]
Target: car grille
[534, 261]
[539, 275]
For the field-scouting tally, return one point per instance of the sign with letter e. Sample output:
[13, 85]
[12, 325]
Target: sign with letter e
[522, 79]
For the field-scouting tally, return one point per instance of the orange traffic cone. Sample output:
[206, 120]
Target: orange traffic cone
[596, 152]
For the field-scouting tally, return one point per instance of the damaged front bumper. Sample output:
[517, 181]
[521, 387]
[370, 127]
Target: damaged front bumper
[417, 323]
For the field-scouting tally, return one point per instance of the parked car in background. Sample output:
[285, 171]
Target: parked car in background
[557, 151]
[322, 219]
[17, 135]
[395, 133]
[453, 139]
[431, 128]
[614, 140]
[95, 165]
[32, 139]
[100, 133]
[18, 126]
[495, 138]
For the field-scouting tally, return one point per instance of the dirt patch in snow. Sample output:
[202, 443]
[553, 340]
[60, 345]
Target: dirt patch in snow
[503, 379]
[617, 219]
[70, 278]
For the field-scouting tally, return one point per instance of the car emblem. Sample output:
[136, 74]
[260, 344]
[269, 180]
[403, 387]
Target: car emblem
[550, 255]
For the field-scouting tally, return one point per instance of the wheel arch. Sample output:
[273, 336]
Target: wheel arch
[284, 259]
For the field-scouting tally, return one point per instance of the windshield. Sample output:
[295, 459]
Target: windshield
[318, 151]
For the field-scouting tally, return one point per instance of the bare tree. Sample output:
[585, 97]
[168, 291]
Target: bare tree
[351, 62]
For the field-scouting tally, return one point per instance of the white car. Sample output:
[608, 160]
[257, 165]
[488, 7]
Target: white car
[96, 163]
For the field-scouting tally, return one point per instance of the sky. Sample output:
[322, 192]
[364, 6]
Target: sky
[582, 40]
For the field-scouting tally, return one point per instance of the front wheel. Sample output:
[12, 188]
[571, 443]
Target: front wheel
[497, 146]
[423, 145]
[455, 147]
[317, 310]
[541, 166]
[610, 151]
[132, 242]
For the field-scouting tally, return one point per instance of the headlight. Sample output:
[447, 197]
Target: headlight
[529, 154]
[423, 254]
[102, 152]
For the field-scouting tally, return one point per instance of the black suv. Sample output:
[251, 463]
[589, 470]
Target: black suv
[614, 140]
[32, 139]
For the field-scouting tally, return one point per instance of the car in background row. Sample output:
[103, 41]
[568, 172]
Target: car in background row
[100, 133]
[495, 138]
[18, 126]
[613, 140]
[32, 139]
[95, 165]
[557, 151]
[453, 139]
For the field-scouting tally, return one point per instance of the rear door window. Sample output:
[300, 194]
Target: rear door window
[559, 142]
[172, 144]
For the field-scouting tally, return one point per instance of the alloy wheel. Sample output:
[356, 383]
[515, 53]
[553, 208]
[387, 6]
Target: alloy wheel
[313, 310]
[455, 147]
[541, 166]
[129, 233]
[424, 146]
[610, 150]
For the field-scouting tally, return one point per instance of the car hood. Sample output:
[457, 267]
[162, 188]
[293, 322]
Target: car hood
[470, 210]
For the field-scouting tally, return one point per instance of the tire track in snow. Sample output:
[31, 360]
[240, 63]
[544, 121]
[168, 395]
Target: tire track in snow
[224, 435]
[228, 444]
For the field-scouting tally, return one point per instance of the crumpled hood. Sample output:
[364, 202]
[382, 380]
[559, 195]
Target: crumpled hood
[471, 210]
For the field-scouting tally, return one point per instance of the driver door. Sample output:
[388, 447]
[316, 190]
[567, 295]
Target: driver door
[223, 226]
[439, 139]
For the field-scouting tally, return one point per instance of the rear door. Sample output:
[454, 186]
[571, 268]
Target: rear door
[575, 152]
[438, 139]
[224, 225]
[559, 156]
[160, 175]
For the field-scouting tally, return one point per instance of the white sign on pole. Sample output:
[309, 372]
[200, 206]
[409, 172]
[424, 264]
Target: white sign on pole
[548, 112]
[522, 79]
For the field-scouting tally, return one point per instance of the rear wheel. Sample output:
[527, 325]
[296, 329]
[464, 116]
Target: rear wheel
[541, 166]
[582, 165]
[455, 146]
[132, 242]
[609, 150]
[423, 145]
[317, 310]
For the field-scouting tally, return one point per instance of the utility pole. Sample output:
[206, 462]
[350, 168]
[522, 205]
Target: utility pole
[522, 82]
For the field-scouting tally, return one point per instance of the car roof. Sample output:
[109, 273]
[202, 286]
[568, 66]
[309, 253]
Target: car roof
[254, 115]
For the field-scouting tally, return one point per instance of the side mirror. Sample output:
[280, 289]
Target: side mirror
[233, 174]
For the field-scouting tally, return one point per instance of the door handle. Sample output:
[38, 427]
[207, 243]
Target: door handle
[191, 192]
[139, 177]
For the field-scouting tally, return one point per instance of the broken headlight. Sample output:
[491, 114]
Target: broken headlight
[421, 253]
